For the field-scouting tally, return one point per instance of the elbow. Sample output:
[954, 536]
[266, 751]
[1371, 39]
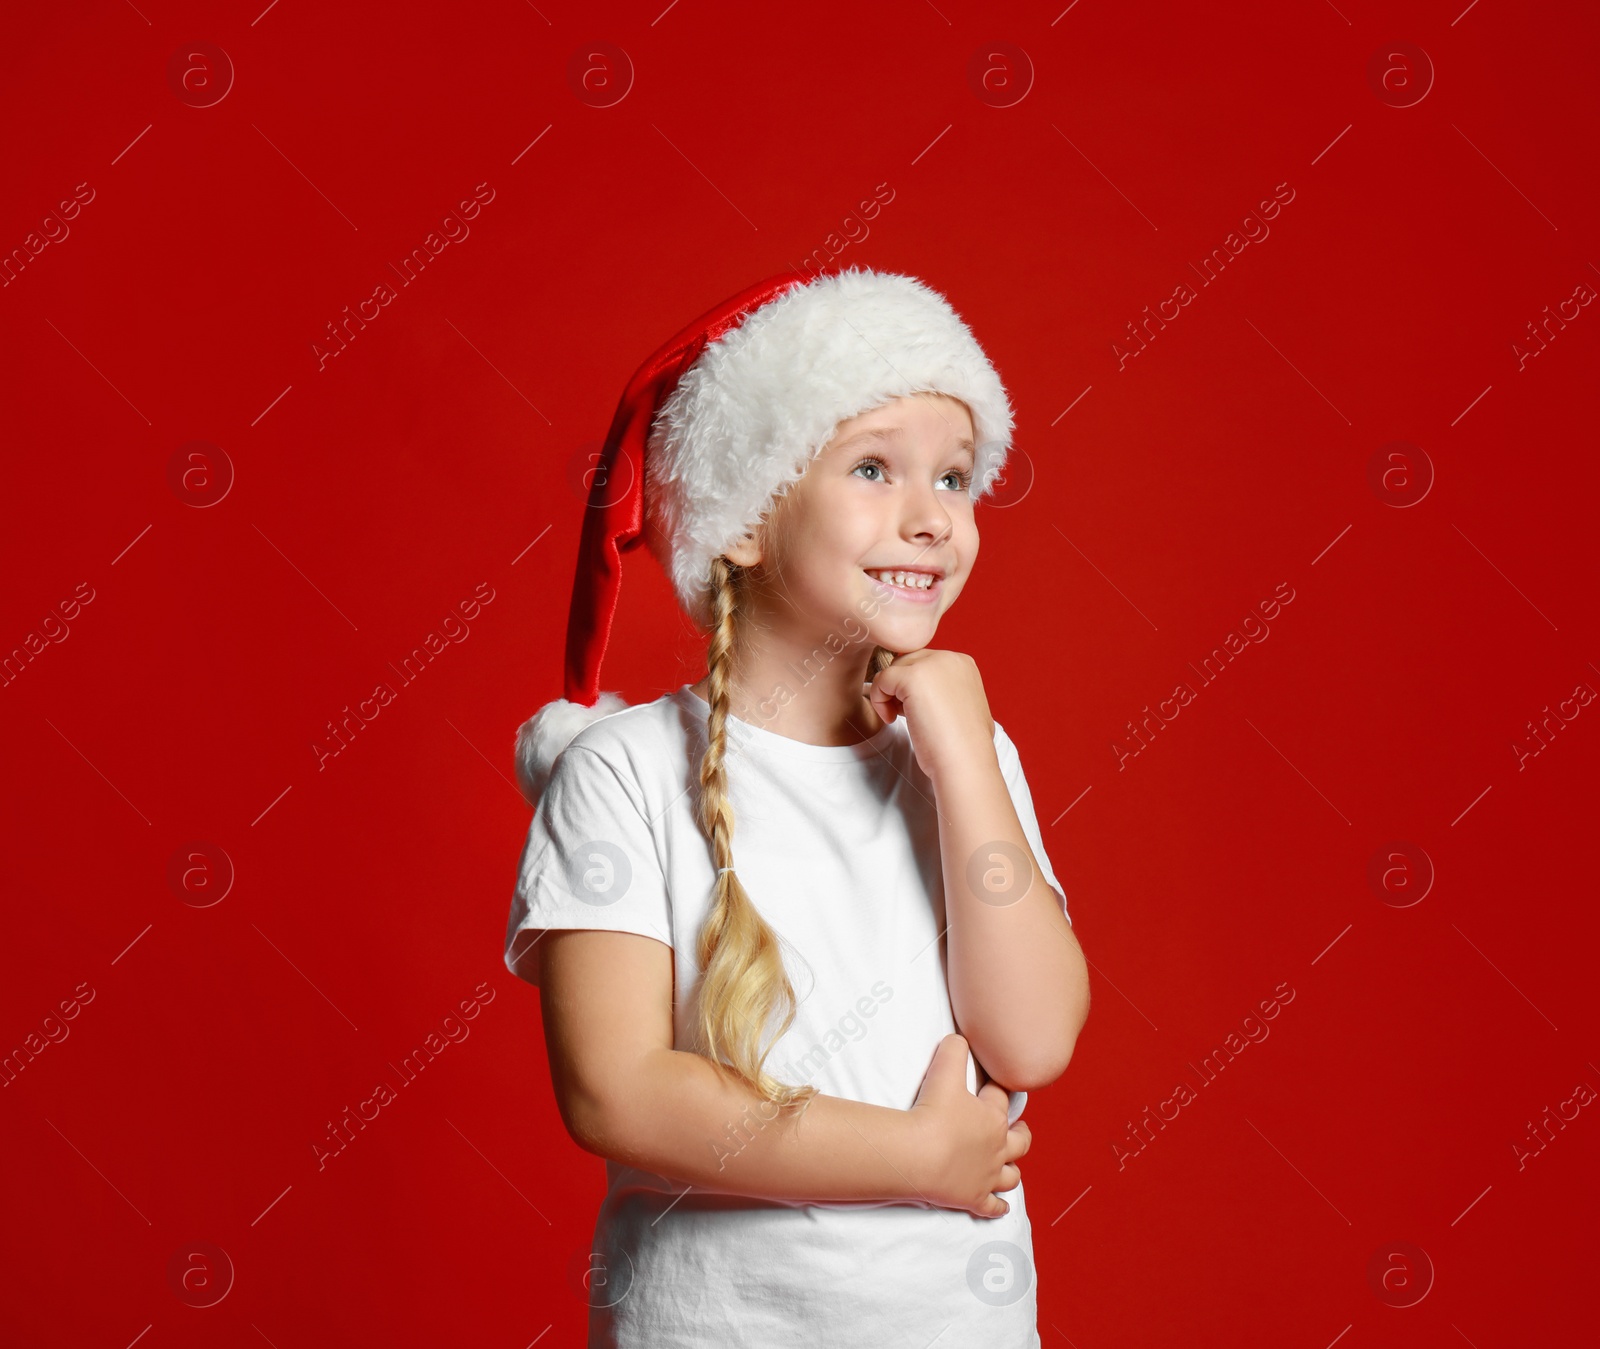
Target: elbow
[1035, 1066]
[1044, 1058]
[589, 1123]
[584, 1126]
[615, 1114]
[1038, 1071]
[1041, 1060]
[590, 1135]
[608, 1122]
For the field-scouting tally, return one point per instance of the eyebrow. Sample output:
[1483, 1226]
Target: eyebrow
[882, 433]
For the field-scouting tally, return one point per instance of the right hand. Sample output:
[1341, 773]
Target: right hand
[965, 1146]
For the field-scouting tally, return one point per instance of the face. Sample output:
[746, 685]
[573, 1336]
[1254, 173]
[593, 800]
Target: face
[888, 493]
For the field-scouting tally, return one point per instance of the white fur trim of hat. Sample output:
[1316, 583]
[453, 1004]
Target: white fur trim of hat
[549, 731]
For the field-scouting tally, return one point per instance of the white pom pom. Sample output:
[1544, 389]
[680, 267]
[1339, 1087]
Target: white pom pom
[545, 734]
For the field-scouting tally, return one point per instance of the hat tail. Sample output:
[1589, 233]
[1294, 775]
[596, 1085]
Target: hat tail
[614, 524]
[547, 732]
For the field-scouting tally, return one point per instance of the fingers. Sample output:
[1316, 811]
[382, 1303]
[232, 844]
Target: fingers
[1019, 1138]
[884, 702]
[949, 1058]
[994, 1207]
[954, 1048]
[1010, 1177]
[994, 1094]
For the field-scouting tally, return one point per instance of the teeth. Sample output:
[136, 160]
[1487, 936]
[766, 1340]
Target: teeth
[911, 580]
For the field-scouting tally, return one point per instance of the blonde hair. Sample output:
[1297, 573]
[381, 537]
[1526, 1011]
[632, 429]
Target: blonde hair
[743, 983]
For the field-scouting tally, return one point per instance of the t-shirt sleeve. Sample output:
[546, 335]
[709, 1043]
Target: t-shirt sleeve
[1022, 799]
[590, 860]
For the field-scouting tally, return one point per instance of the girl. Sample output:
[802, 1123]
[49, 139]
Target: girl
[760, 906]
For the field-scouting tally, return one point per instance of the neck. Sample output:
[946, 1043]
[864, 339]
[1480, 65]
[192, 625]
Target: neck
[815, 700]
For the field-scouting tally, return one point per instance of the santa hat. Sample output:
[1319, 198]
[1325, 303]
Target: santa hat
[725, 416]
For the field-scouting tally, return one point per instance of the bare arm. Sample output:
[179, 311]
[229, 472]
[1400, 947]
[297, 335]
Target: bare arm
[627, 1095]
[1019, 984]
[1018, 981]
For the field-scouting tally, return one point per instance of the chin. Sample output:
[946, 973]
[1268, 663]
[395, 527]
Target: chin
[904, 637]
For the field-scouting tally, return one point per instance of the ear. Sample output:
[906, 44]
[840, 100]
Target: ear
[745, 553]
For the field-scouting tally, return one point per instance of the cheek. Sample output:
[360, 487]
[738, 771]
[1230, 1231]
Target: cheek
[967, 541]
[966, 546]
[845, 529]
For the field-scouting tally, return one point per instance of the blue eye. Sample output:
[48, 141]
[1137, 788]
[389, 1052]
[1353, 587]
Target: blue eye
[963, 477]
[871, 460]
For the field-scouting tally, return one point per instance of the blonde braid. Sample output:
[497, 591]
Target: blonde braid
[743, 981]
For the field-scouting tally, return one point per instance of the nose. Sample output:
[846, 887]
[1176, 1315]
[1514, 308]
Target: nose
[925, 518]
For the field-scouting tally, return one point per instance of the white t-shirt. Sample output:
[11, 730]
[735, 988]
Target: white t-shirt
[838, 847]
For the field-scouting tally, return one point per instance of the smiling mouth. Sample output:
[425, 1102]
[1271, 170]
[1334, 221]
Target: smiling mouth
[919, 586]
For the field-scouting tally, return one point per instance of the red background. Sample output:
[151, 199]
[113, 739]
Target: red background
[366, 500]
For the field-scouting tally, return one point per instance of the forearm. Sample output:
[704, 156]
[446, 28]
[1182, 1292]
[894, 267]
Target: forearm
[1018, 979]
[680, 1117]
